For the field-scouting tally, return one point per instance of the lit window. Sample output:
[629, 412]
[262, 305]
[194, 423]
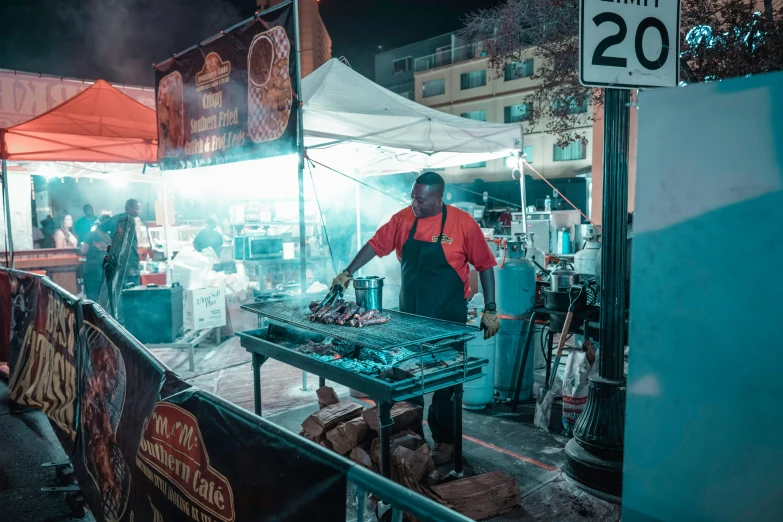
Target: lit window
[434, 88]
[479, 165]
[572, 106]
[517, 113]
[402, 65]
[528, 151]
[475, 115]
[517, 70]
[574, 151]
[473, 79]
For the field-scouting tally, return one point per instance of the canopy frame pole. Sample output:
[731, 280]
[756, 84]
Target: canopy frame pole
[300, 152]
[358, 219]
[9, 260]
[166, 226]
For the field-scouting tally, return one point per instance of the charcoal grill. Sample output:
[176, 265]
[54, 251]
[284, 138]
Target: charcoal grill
[290, 328]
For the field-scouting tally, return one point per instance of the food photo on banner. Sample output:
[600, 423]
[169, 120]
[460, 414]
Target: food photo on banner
[230, 98]
[17, 313]
[201, 458]
[120, 384]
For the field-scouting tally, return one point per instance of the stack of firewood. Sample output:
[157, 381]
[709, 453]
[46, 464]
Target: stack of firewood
[350, 430]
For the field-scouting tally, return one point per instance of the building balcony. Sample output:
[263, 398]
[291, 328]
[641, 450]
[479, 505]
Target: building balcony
[449, 57]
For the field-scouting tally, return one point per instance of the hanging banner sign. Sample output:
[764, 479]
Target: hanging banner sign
[44, 374]
[230, 98]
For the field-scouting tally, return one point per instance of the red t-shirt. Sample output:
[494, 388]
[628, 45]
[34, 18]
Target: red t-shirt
[463, 242]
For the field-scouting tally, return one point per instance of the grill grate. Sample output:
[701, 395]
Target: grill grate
[403, 329]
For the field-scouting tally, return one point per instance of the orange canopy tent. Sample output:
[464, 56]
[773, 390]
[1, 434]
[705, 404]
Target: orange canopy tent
[99, 124]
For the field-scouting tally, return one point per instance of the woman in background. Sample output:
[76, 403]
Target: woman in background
[94, 249]
[63, 234]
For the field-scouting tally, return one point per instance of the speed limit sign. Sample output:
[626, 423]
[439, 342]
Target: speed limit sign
[629, 43]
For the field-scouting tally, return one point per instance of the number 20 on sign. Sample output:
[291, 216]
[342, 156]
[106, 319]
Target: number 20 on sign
[629, 43]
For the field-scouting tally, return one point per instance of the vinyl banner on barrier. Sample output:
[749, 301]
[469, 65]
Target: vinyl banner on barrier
[201, 458]
[44, 374]
[120, 384]
[17, 313]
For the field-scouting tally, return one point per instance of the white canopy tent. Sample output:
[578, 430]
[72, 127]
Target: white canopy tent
[353, 124]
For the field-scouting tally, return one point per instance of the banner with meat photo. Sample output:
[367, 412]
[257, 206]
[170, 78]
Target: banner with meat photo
[231, 98]
[120, 384]
[201, 458]
[45, 368]
[17, 314]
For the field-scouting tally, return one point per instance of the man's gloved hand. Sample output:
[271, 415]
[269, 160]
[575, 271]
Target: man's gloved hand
[343, 279]
[489, 323]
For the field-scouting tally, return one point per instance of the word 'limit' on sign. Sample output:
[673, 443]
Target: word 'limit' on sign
[629, 43]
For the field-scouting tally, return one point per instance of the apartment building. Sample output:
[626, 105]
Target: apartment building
[455, 78]
[314, 39]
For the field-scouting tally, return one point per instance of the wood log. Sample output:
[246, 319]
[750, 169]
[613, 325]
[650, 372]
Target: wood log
[328, 445]
[326, 396]
[360, 456]
[348, 435]
[323, 421]
[309, 437]
[406, 438]
[434, 478]
[417, 463]
[405, 415]
[482, 496]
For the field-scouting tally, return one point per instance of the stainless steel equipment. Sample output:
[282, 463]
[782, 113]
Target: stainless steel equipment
[369, 292]
[586, 260]
[515, 289]
[259, 247]
[563, 277]
[583, 233]
[477, 211]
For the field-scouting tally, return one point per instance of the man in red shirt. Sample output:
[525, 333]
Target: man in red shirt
[435, 243]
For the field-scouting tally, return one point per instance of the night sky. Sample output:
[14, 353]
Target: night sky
[118, 40]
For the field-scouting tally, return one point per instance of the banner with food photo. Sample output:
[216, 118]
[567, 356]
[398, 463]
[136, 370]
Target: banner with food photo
[17, 314]
[201, 458]
[120, 384]
[45, 367]
[230, 98]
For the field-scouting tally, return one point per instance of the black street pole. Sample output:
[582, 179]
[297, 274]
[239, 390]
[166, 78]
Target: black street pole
[594, 457]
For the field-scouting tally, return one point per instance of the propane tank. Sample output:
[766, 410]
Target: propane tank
[585, 261]
[533, 253]
[478, 393]
[515, 288]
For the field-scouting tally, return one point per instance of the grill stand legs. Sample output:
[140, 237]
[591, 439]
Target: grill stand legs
[258, 360]
[458, 429]
[519, 367]
[385, 419]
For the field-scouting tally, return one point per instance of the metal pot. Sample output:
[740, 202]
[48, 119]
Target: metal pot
[369, 292]
[563, 277]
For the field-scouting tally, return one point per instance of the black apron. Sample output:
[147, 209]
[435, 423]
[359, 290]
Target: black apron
[432, 288]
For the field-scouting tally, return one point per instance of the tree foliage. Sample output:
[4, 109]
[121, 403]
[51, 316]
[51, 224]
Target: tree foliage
[719, 39]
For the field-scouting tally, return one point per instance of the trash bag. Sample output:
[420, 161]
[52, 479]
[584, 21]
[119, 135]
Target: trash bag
[580, 366]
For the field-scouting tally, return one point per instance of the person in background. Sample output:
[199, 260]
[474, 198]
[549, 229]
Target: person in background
[63, 234]
[107, 231]
[84, 225]
[209, 237]
[47, 229]
[94, 249]
[227, 230]
[37, 235]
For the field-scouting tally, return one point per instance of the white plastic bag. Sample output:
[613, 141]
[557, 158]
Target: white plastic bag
[576, 384]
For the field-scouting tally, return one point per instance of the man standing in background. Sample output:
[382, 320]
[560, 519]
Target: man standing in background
[108, 230]
[84, 225]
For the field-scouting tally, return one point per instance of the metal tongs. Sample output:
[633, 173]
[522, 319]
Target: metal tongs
[335, 294]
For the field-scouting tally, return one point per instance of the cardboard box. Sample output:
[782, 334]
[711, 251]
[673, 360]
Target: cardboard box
[205, 308]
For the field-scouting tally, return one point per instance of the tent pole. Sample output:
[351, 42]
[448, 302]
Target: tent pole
[523, 200]
[166, 226]
[358, 219]
[300, 151]
[9, 260]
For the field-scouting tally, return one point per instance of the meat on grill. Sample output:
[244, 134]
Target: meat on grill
[346, 313]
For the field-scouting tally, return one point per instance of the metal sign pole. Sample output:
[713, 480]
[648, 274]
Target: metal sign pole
[7, 205]
[300, 152]
[594, 457]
